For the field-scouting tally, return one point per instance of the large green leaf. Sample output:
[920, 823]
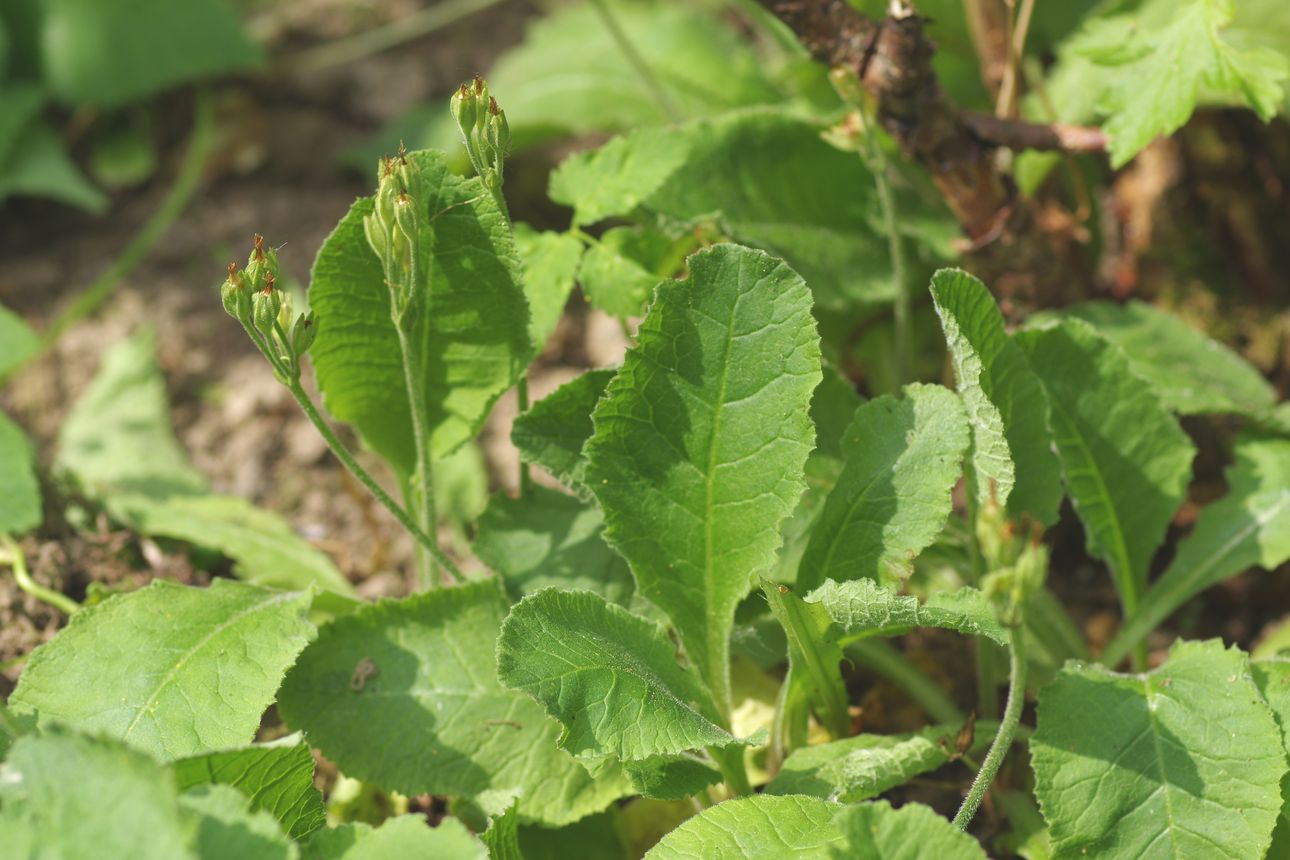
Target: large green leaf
[20, 502]
[701, 438]
[1249, 527]
[548, 538]
[17, 342]
[761, 177]
[401, 836]
[552, 432]
[866, 766]
[1126, 461]
[105, 53]
[570, 76]
[1185, 761]
[875, 831]
[119, 445]
[1273, 680]
[620, 271]
[475, 325]
[1190, 372]
[277, 779]
[551, 261]
[404, 694]
[227, 826]
[904, 455]
[760, 827]
[169, 669]
[611, 678]
[38, 165]
[70, 796]
[863, 608]
[1012, 457]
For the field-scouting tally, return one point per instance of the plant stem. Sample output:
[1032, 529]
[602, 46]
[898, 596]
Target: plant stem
[638, 63]
[876, 161]
[892, 665]
[1007, 730]
[200, 143]
[522, 405]
[424, 477]
[815, 659]
[730, 761]
[12, 554]
[423, 537]
[987, 663]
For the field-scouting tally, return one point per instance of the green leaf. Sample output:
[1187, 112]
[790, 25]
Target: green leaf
[39, 166]
[598, 837]
[20, 509]
[701, 438]
[611, 678]
[502, 838]
[569, 76]
[760, 177]
[862, 608]
[866, 766]
[1011, 454]
[119, 444]
[476, 325]
[551, 434]
[401, 836]
[875, 831]
[760, 827]
[813, 657]
[1184, 761]
[551, 260]
[1249, 527]
[548, 538]
[904, 455]
[1159, 61]
[105, 53]
[169, 669]
[20, 105]
[1273, 680]
[276, 779]
[228, 827]
[620, 271]
[67, 795]
[1126, 461]
[20, 342]
[1190, 372]
[671, 777]
[404, 694]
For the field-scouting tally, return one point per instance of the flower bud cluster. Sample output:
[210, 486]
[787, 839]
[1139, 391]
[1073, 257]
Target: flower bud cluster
[252, 297]
[1015, 556]
[484, 130]
[393, 228]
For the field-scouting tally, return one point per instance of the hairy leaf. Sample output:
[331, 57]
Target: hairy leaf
[1249, 527]
[1273, 680]
[904, 455]
[1185, 761]
[701, 438]
[548, 538]
[276, 779]
[550, 262]
[404, 694]
[502, 838]
[760, 827]
[611, 678]
[20, 501]
[228, 827]
[876, 831]
[400, 836]
[1012, 457]
[170, 669]
[862, 608]
[476, 326]
[761, 177]
[67, 795]
[551, 434]
[1126, 461]
[671, 777]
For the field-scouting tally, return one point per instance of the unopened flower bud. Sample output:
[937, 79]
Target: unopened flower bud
[405, 216]
[499, 132]
[481, 99]
[230, 290]
[464, 107]
[409, 175]
[262, 263]
[377, 236]
[265, 305]
[386, 193]
[284, 312]
[303, 333]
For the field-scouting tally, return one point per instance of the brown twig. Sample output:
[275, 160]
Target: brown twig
[1018, 134]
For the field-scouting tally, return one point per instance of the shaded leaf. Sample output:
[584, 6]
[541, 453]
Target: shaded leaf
[1273, 680]
[400, 836]
[276, 779]
[1126, 461]
[502, 838]
[551, 260]
[753, 828]
[611, 678]
[39, 166]
[671, 777]
[475, 322]
[228, 827]
[404, 694]
[552, 432]
[620, 271]
[548, 538]
[876, 831]
[1011, 455]
[19, 342]
[20, 509]
[903, 456]
[701, 438]
[1184, 761]
[862, 608]
[170, 669]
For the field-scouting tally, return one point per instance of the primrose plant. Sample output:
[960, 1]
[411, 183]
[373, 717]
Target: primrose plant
[663, 644]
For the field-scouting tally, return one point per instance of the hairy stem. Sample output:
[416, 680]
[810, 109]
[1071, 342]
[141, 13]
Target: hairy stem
[638, 63]
[11, 554]
[730, 761]
[1007, 730]
[423, 537]
[423, 485]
